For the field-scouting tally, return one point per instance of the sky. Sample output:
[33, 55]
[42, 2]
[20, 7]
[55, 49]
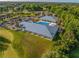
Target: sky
[75, 1]
[67, 1]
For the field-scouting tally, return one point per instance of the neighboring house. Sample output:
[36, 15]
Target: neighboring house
[49, 18]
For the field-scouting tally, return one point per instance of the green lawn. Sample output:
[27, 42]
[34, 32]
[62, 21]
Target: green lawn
[25, 44]
[75, 53]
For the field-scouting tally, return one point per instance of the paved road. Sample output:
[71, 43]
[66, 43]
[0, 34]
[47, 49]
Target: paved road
[5, 22]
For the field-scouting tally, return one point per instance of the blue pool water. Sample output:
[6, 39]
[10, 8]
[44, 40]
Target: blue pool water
[43, 23]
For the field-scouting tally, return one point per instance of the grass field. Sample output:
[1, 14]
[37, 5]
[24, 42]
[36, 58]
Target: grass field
[25, 44]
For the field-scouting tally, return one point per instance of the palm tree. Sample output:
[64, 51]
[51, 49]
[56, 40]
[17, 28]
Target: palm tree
[4, 44]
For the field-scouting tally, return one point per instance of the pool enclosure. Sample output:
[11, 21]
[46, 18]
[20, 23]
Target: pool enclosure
[43, 28]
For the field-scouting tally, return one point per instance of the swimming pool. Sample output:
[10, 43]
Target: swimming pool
[43, 23]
